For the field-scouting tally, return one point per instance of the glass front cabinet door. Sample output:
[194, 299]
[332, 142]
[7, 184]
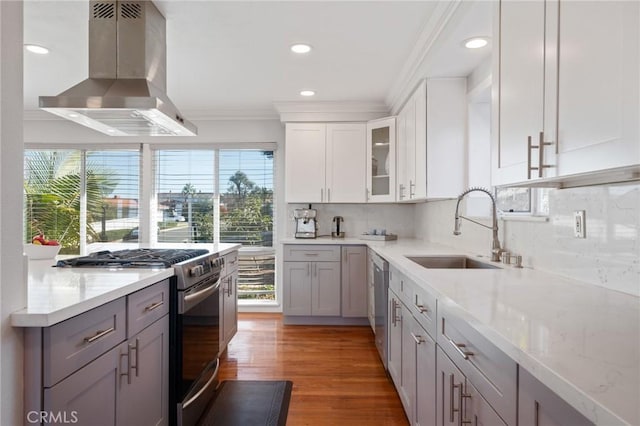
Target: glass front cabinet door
[381, 157]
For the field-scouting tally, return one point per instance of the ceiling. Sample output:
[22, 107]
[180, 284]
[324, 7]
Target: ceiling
[234, 57]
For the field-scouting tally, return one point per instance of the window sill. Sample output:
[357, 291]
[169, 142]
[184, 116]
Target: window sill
[523, 218]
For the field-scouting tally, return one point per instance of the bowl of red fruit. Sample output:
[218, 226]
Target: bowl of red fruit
[41, 248]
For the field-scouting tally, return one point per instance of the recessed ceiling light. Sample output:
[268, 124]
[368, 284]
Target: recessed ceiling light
[476, 42]
[301, 48]
[73, 115]
[34, 48]
[307, 93]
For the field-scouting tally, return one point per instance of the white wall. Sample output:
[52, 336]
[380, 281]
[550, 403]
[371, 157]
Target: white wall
[12, 281]
[608, 257]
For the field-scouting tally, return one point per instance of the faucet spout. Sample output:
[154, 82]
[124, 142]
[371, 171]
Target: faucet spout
[496, 249]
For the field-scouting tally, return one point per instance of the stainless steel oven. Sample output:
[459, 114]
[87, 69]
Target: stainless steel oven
[196, 339]
[194, 335]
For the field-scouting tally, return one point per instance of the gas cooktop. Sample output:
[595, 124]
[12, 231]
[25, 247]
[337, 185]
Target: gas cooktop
[135, 258]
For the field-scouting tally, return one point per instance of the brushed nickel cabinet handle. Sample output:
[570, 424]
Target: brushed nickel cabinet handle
[328, 195]
[458, 347]
[541, 145]
[128, 373]
[452, 409]
[99, 334]
[421, 309]
[321, 195]
[529, 148]
[461, 396]
[135, 348]
[419, 339]
[411, 186]
[308, 269]
[153, 306]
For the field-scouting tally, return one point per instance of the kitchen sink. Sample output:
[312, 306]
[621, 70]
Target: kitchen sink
[450, 262]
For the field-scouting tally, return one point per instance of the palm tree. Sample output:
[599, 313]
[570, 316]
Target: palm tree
[53, 195]
[188, 191]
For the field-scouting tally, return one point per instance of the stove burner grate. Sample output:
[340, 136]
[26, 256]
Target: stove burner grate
[134, 258]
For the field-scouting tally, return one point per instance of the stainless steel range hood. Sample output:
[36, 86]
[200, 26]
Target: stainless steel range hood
[125, 92]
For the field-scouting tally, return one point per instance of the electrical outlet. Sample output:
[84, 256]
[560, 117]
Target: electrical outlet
[579, 224]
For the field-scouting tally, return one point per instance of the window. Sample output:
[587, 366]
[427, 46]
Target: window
[230, 203]
[79, 197]
[523, 201]
[185, 182]
[246, 217]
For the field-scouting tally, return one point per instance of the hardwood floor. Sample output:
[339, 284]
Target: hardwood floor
[337, 376]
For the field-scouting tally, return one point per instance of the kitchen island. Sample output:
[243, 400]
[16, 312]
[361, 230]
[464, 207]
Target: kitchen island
[581, 341]
[97, 338]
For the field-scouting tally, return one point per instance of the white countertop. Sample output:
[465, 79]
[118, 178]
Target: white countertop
[57, 294]
[582, 341]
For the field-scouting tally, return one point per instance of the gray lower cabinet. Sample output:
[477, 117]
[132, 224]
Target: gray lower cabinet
[412, 363]
[448, 397]
[425, 374]
[458, 401]
[539, 406]
[145, 388]
[312, 280]
[490, 370]
[229, 300]
[119, 378]
[394, 342]
[229, 303]
[354, 281]
[312, 288]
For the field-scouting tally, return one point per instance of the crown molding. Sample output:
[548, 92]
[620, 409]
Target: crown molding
[330, 111]
[224, 114]
[409, 76]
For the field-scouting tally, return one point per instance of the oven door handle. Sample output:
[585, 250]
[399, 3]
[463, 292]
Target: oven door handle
[190, 300]
[206, 386]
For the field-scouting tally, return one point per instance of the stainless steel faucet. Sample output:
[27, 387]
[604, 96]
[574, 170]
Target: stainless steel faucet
[496, 250]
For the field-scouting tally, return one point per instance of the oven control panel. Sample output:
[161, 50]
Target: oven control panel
[205, 267]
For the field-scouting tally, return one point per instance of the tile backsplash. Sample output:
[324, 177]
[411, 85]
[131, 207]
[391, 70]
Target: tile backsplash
[359, 218]
[609, 256]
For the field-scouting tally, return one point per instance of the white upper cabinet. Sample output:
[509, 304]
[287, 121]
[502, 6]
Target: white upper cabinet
[305, 162]
[406, 154]
[381, 158]
[446, 135]
[431, 141]
[567, 95]
[325, 163]
[346, 162]
[598, 85]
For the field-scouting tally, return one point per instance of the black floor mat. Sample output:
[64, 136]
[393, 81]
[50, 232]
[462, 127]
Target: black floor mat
[249, 403]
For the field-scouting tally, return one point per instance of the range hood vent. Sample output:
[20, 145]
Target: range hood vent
[125, 94]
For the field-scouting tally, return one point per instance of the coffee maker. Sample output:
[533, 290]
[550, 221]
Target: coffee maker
[306, 223]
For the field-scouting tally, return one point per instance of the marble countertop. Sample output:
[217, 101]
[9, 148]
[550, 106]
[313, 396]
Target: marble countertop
[580, 340]
[57, 294]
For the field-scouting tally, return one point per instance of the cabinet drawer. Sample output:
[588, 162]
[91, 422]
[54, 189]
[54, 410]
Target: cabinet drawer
[401, 285]
[230, 263]
[492, 372]
[315, 253]
[146, 306]
[77, 341]
[423, 307]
